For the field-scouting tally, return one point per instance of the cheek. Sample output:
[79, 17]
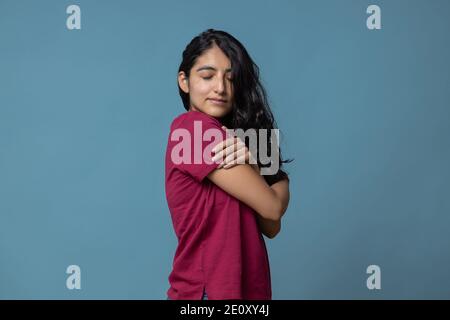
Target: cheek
[201, 88]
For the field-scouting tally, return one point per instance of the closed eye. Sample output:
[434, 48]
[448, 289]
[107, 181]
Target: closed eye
[210, 77]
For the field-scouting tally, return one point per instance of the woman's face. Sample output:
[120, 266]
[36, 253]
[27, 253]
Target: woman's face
[210, 84]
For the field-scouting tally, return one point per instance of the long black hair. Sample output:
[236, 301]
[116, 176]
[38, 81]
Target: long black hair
[250, 104]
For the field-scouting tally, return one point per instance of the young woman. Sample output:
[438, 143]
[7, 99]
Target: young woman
[220, 206]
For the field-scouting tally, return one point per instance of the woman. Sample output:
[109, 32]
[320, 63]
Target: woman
[219, 206]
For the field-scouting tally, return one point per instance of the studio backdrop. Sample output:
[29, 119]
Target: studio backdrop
[361, 94]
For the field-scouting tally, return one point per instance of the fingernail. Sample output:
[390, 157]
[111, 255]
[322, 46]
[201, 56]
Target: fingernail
[216, 156]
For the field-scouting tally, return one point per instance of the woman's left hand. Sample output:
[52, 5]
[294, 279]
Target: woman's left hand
[233, 152]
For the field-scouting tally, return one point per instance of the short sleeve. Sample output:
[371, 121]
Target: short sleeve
[192, 141]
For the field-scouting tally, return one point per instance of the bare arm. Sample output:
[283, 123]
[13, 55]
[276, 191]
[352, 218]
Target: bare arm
[231, 151]
[271, 228]
[245, 184]
[281, 189]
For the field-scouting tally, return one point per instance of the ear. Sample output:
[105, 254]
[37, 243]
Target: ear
[183, 82]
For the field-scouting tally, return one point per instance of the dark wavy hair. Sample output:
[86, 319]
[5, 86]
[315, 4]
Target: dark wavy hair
[250, 107]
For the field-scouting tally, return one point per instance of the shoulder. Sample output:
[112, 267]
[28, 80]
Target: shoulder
[187, 120]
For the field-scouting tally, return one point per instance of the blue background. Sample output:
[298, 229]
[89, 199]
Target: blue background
[84, 121]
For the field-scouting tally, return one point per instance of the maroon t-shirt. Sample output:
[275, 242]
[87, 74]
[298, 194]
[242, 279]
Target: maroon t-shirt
[220, 247]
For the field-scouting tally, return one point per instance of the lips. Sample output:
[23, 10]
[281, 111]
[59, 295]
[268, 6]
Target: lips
[218, 100]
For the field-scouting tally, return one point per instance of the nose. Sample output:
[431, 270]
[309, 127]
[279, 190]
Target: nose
[220, 86]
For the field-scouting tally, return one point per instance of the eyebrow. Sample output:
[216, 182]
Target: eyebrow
[210, 68]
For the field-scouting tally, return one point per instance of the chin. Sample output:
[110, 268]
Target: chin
[217, 112]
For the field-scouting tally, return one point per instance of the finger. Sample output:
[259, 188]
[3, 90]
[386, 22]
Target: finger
[219, 155]
[235, 155]
[231, 141]
[225, 146]
[229, 165]
[220, 152]
[227, 160]
[251, 159]
[240, 145]
[224, 153]
[242, 156]
[233, 151]
[240, 148]
[230, 150]
[239, 160]
[218, 147]
[228, 155]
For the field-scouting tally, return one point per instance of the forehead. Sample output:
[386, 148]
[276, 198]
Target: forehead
[213, 57]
